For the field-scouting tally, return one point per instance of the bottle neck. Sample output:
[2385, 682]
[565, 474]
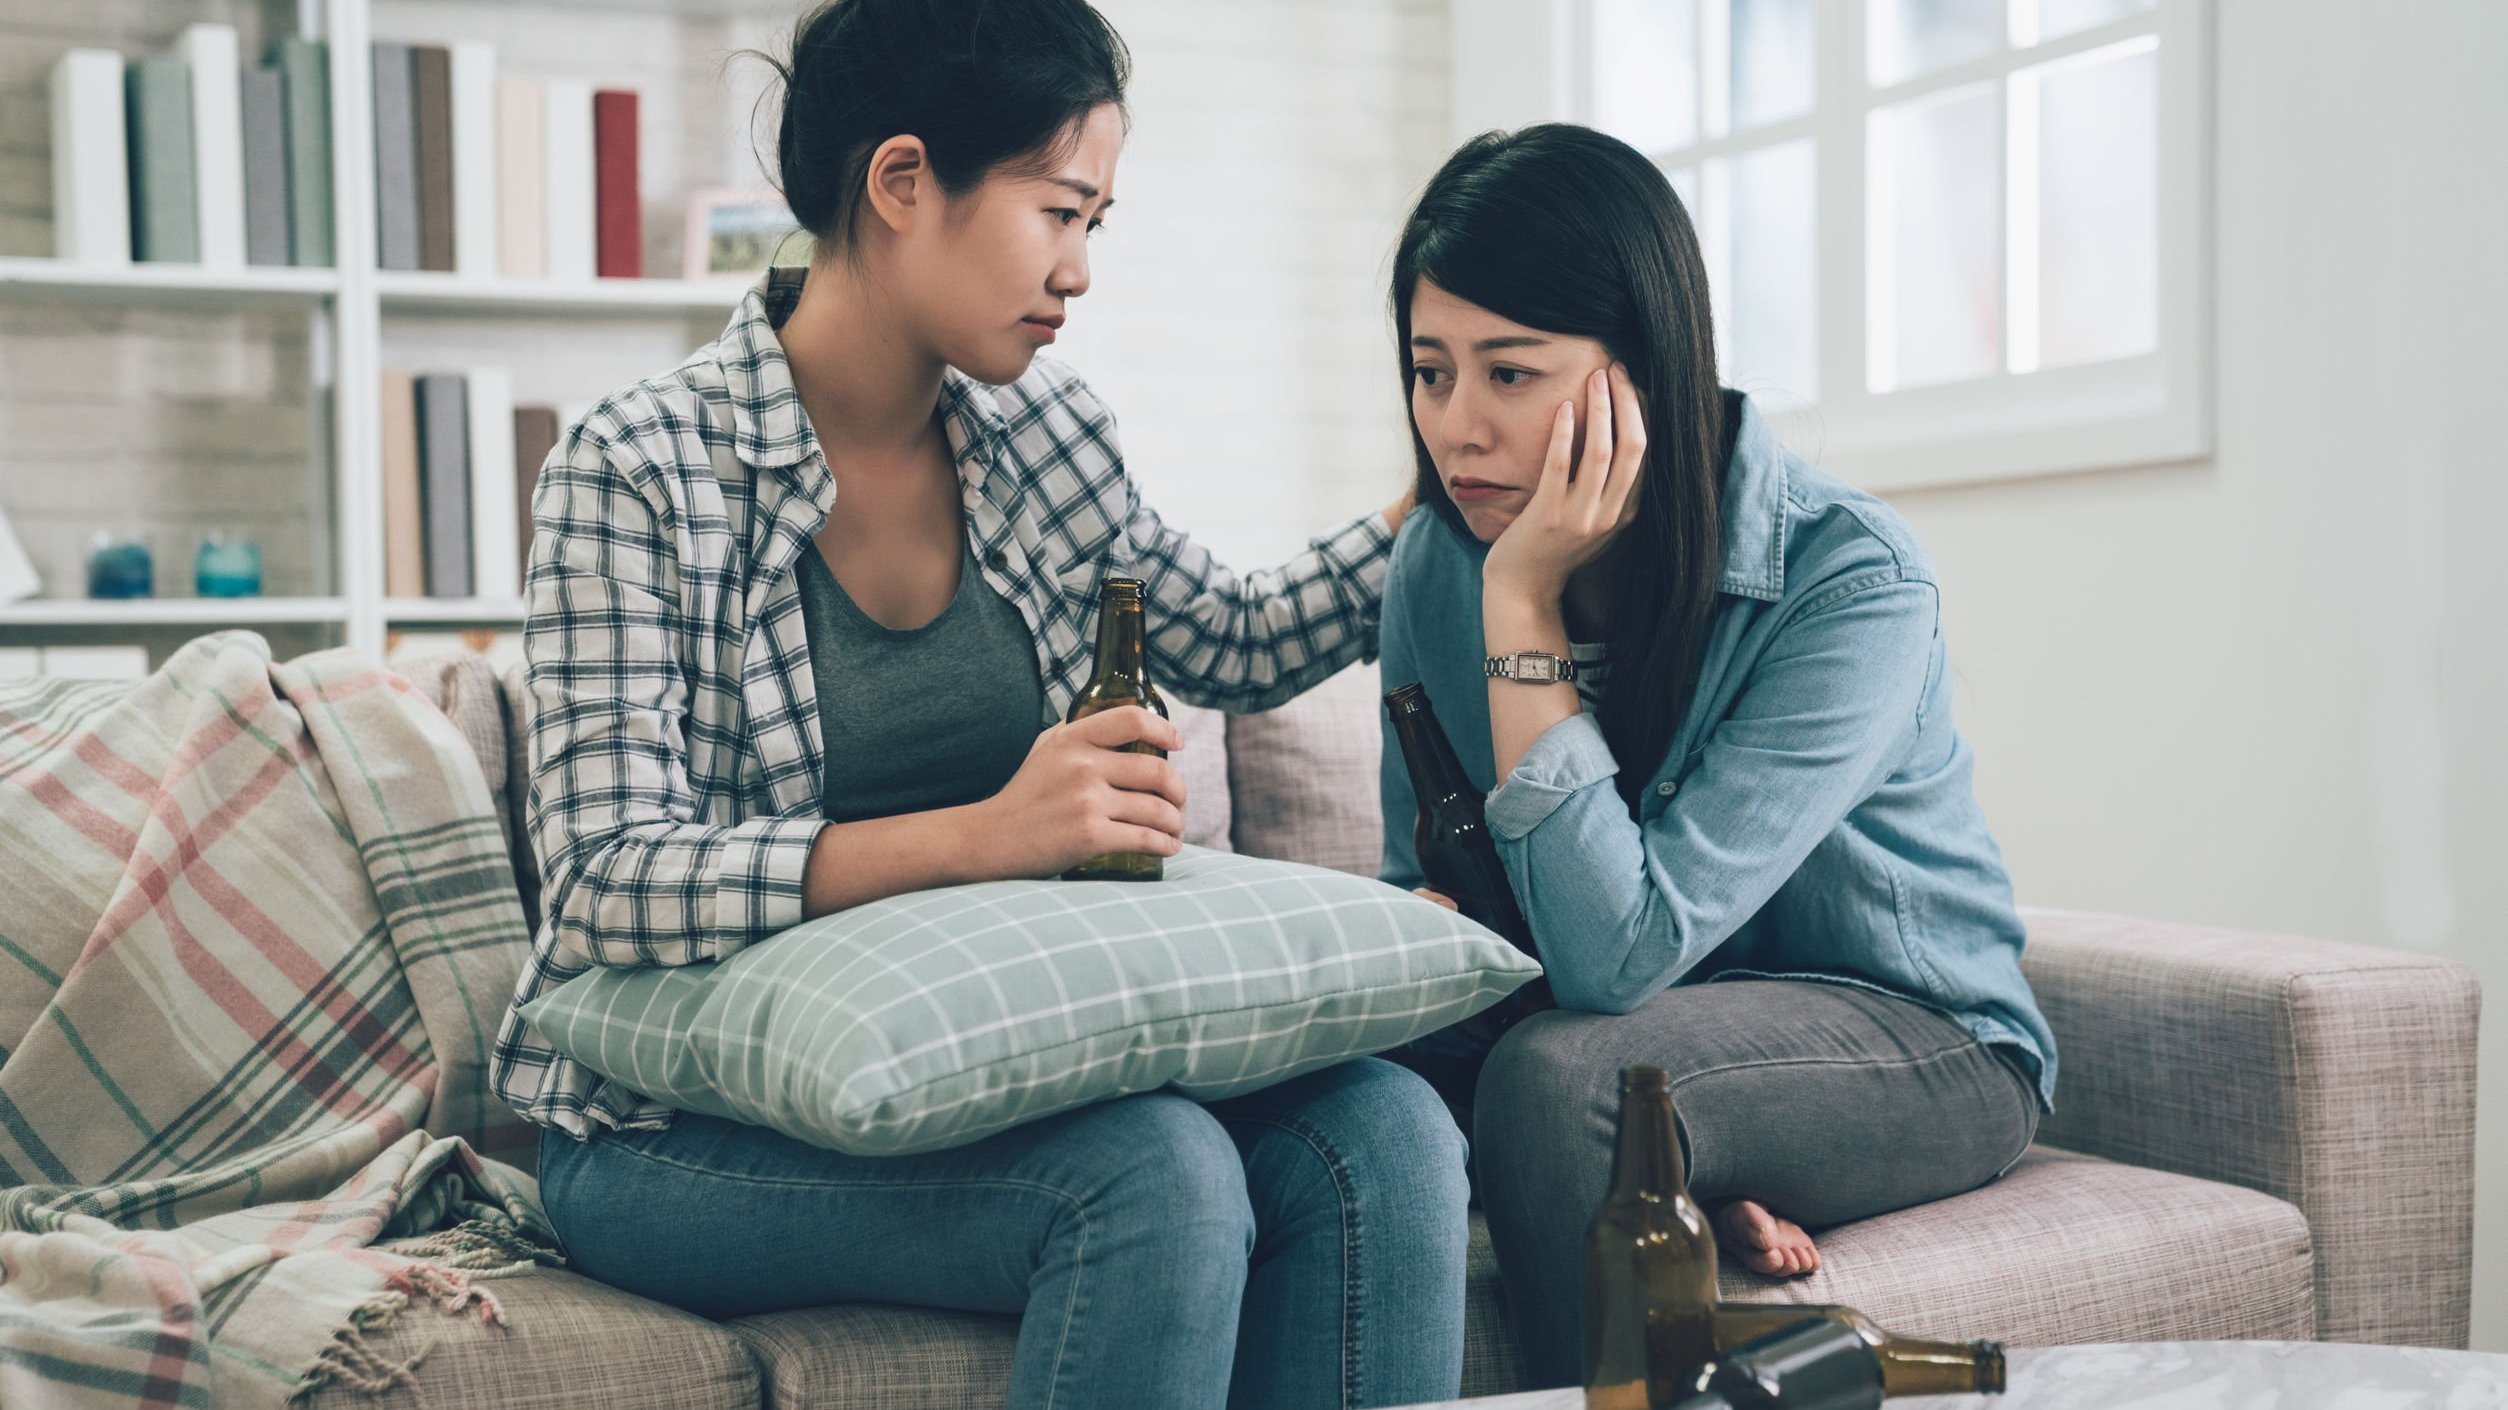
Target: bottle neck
[1648, 1158]
[1436, 772]
[1119, 639]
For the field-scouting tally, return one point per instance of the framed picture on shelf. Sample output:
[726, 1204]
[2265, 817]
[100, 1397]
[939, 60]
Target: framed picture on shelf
[737, 233]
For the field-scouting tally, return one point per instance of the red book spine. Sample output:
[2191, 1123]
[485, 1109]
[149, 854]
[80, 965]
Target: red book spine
[620, 208]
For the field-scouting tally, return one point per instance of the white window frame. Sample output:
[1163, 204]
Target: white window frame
[1515, 62]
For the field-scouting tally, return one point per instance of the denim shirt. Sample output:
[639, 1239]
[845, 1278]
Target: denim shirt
[1814, 817]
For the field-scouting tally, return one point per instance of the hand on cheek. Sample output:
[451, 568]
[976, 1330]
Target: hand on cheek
[1588, 480]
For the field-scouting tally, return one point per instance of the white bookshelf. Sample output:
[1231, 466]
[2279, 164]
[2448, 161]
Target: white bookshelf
[363, 320]
[204, 612]
[167, 283]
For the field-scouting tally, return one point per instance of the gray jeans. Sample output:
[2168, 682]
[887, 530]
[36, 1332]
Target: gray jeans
[1825, 1102]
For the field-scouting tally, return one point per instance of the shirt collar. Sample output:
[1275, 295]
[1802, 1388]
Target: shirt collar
[1754, 506]
[769, 430]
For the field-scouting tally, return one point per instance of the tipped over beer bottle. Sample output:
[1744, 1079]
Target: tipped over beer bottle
[1121, 680]
[1909, 1365]
[1650, 1264]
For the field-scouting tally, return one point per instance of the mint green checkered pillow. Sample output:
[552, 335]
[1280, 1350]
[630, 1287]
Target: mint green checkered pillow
[938, 1018]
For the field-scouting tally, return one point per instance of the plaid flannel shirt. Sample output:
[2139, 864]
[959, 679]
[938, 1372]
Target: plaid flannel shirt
[676, 756]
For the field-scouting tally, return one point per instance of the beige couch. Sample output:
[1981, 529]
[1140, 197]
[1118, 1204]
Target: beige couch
[2256, 1137]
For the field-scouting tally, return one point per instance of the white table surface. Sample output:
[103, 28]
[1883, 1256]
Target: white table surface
[2214, 1375]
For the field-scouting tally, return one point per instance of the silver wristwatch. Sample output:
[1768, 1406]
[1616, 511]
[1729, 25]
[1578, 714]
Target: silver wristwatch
[1530, 667]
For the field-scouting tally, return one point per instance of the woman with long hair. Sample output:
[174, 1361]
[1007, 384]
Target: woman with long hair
[805, 613]
[1706, 683]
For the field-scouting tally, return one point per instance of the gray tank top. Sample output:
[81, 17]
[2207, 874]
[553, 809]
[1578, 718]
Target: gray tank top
[923, 719]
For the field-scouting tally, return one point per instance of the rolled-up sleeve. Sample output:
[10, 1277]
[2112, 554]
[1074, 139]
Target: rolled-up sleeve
[632, 877]
[1621, 911]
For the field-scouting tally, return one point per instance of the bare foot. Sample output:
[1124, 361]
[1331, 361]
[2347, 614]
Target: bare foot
[1777, 1248]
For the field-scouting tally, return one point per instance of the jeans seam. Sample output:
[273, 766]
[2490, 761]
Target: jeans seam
[1752, 1064]
[1351, 1301]
[1070, 1308]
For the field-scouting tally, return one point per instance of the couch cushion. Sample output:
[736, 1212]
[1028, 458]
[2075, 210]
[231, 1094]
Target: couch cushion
[2066, 1249]
[1303, 777]
[2062, 1249]
[1203, 765]
[567, 1342]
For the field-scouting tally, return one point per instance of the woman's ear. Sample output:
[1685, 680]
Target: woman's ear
[898, 182]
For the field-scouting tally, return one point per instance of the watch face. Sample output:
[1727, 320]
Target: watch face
[1540, 670]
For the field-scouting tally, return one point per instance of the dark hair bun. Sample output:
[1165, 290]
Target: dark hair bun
[984, 83]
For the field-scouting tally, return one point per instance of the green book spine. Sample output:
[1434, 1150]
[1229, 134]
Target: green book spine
[165, 219]
[305, 73]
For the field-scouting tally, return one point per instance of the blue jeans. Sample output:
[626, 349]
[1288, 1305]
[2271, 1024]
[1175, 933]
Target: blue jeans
[1302, 1246]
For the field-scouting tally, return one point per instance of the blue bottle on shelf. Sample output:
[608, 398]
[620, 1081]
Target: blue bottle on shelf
[228, 566]
[119, 568]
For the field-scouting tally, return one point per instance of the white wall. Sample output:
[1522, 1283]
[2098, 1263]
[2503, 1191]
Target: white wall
[1237, 322]
[2266, 690]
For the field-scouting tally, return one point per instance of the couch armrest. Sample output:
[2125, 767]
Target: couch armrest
[2337, 1077]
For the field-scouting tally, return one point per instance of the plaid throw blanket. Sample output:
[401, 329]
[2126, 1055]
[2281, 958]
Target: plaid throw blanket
[256, 928]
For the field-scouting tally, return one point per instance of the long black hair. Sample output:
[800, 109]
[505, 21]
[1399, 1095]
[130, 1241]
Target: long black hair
[987, 84]
[1572, 231]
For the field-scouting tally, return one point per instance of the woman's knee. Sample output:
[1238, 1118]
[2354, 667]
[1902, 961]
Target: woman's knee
[1365, 1148]
[1167, 1171]
[1392, 1132]
[1541, 1081]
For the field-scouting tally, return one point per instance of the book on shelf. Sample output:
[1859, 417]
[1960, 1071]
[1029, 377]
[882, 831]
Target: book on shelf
[495, 536]
[91, 193]
[474, 159]
[567, 177]
[522, 207]
[620, 206]
[431, 83]
[265, 167]
[404, 510]
[305, 78]
[395, 157]
[165, 225]
[460, 461]
[217, 141]
[535, 435]
[444, 482]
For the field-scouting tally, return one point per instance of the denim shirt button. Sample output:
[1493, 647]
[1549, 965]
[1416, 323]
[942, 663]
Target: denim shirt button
[1667, 789]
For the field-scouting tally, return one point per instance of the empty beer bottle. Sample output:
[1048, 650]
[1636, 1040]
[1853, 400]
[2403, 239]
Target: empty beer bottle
[1909, 1366]
[1121, 679]
[1650, 1264]
[1814, 1364]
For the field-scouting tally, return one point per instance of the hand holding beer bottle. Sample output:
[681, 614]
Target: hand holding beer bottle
[1100, 783]
[1121, 682]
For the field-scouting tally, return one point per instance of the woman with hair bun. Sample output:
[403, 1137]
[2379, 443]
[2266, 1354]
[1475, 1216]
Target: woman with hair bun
[804, 614]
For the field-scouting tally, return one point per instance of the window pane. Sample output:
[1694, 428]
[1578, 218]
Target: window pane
[2057, 18]
[1906, 38]
[1645, 58]
[1935, 193]
[1771, 312]
[1772, 61]
[2098, 182]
